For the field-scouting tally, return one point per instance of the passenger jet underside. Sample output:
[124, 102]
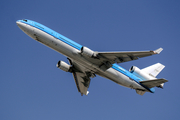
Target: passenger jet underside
[85, 63]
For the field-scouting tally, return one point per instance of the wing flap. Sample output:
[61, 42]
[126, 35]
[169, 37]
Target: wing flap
[153, 83]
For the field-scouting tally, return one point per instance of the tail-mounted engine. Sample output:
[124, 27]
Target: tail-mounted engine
[140, 73]
[64, 66]
[88, 52]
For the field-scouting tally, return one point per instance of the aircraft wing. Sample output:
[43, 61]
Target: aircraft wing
[81, 77]
[119, 57]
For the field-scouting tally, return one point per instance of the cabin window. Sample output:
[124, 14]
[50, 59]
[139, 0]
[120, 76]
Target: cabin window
[25, 20]
[39, 26]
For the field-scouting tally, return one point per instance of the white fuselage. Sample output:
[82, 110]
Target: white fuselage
[73, 53]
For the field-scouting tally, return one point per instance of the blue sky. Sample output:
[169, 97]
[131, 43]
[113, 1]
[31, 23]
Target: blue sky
[32, 88]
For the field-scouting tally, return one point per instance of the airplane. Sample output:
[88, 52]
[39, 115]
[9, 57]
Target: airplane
[85, 63]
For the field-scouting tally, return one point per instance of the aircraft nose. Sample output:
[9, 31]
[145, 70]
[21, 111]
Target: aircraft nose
[19, 24]
[25, 28]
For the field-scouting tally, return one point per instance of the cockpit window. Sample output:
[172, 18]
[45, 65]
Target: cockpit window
[25, 20]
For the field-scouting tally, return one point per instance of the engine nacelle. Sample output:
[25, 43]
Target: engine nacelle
[87, 52]
[141, 74]
[63, 66]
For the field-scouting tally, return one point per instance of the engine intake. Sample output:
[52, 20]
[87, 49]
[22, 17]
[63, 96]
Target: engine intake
[63, 66]
[88, 52]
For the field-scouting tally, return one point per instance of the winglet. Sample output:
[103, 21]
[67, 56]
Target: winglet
[158, 50]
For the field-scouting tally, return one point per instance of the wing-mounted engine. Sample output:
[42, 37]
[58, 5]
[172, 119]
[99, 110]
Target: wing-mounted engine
[64, 66]
[141, 74]
[88, 52]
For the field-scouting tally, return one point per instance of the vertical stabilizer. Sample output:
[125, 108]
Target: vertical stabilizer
[154, 70]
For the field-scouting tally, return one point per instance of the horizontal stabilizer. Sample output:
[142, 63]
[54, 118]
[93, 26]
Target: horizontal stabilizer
[153, 83]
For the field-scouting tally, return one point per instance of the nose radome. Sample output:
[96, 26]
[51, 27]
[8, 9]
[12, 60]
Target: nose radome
[21, 25]
[18, 24]
[26, 28]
